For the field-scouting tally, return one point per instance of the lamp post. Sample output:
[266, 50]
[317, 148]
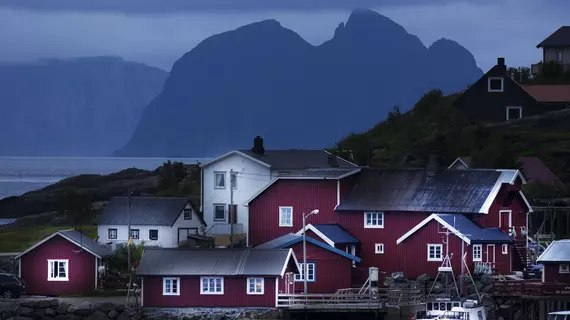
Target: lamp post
[305, 272]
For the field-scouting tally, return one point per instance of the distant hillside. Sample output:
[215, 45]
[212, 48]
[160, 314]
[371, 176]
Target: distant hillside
[264, 79]
[435, 126]
[73, 107]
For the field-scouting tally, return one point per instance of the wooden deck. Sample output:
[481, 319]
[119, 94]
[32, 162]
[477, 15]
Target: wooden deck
[530, 289]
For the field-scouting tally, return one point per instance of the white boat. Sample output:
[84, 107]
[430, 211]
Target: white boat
[559, 315]
[452, 309]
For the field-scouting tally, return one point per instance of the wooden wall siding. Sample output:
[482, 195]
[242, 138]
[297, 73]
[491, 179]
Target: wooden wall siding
[518, 207]
[333, 270]
[303, 195]
[81, 269]
[235, 294]
[552, 274]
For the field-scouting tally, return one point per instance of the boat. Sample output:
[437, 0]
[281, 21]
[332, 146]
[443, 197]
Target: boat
[451, 306]
[559, 315]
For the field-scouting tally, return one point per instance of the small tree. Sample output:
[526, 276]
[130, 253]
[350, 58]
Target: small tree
[119, 260]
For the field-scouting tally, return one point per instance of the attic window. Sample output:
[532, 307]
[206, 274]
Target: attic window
[495, 84]
[514, 113]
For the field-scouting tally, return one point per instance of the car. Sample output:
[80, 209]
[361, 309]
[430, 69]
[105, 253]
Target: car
[11, 286]
[534, 272]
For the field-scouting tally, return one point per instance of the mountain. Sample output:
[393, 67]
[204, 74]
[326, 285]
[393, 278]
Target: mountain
[264, 79]
[73, 107]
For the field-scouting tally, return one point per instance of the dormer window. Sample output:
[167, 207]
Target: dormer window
[495, 84]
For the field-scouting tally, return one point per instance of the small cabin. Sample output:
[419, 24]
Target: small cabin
[556, 261]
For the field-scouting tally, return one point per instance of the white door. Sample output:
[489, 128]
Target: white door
[182, 234]
[491, 253]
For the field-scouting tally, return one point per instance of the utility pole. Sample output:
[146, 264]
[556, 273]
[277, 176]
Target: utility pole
[232, 213]
[129, 232]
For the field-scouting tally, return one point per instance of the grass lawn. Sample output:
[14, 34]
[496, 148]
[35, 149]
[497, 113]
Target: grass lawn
[18, 239]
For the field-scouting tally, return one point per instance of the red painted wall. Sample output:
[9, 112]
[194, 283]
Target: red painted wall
[518, 207]
[235, 294]
[81, 269]
[552, 274]
[333, 271]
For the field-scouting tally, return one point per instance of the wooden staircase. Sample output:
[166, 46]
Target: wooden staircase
[522, 252]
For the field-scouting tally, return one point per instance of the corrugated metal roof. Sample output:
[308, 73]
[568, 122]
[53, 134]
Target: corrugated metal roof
[456, 191]
[332, 173]
[86, 242]
[222, 262]
[278, 242]
[336, 233]
[559, 38]
[548, 92]
[143, 211]
[297, 159]
[558, 251]
[473, 231]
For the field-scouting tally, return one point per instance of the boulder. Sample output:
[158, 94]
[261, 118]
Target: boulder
[62, 308]
[49, 312]
[26, 311]
[123, 316]
[62, 317]
[81, 309]
[113, 314]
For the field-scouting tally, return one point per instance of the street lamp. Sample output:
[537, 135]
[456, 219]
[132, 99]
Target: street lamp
[305, 269]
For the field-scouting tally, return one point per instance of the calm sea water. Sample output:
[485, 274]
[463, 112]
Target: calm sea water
[19, 175]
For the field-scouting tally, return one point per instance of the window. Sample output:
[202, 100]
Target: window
[373, 219]
[495, 84]
[187, 214]
[559, 56]
[170, 286]
[435, 252]
[564, 268]
[255, 285]
[153, 234]
[135, 234]
[58, 270]
[505, 249]
[212, 285]
[219, 180]
[514, 113]
[112, 233]
[379, 248]
[285, 216]
[219, 212]
[310, 272]
[477, 252]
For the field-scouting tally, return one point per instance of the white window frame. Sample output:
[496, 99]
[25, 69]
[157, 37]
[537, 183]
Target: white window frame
[564, 268]
[202, 291]
[505, 249]
[375, 216]
[172, 280]
[379, 248]
[109, 233]
[255, 281]
[149, 237]
[480, 248]
[50, 263]
[559, 55]
[489, 79]
[189, 210]
[138, 233]
[216, 173]
[435, 258]
[311, 277]
[281, 223]
[512, 108]
[225, 212]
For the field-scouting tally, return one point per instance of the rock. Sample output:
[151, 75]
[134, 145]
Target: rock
[82, 309]
[44, 304]
[113, 314]
[39, 313]
[30, 304]
[106, 307]
[50, 312]
[62, 308]
[123, 316]
[62, 317]
[98, 315]
[54, 302]
[25, 311]
[486, 280]
[25, 318]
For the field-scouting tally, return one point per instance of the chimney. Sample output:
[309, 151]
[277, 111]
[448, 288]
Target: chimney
[333, 161]
[432, 165]
[258, 145]
[501, 63]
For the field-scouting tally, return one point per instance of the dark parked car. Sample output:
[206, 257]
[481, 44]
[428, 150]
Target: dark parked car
[11, 286]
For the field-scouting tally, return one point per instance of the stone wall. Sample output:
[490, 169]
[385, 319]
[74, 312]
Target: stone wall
[55, 310]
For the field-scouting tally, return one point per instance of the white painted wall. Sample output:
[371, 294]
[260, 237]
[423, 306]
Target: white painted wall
[167, 235]
[251, 177]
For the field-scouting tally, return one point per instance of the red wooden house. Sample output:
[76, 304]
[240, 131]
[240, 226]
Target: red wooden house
[66, 262]
[215, 277]
[333, 266]
[556, 261]
[378, 207]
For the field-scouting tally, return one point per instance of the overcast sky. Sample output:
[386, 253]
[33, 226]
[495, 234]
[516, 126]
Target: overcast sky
[158, 32]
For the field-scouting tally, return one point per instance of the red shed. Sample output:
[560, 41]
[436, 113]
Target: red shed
[241, 277]
[556, 261]
[66, 262]
[329, 268]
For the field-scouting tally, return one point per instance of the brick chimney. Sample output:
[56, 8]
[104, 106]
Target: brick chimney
[501, 63]
[333, 161]
[258, 145]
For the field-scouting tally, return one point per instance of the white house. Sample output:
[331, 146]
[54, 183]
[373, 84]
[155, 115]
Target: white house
[252, 170]
[162, 222]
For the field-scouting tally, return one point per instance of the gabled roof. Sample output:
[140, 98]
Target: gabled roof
[559, 38]
[332, 234]
[463, 228]
[82, 241]
[464, 161]
[558, 251]
[219, 262]
[548, 92]
[290, 239]
[455, 191]
[288, 159]
[146, 211]
[307, 174]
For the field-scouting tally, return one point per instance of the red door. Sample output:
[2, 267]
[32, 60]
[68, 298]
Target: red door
[505, 221]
